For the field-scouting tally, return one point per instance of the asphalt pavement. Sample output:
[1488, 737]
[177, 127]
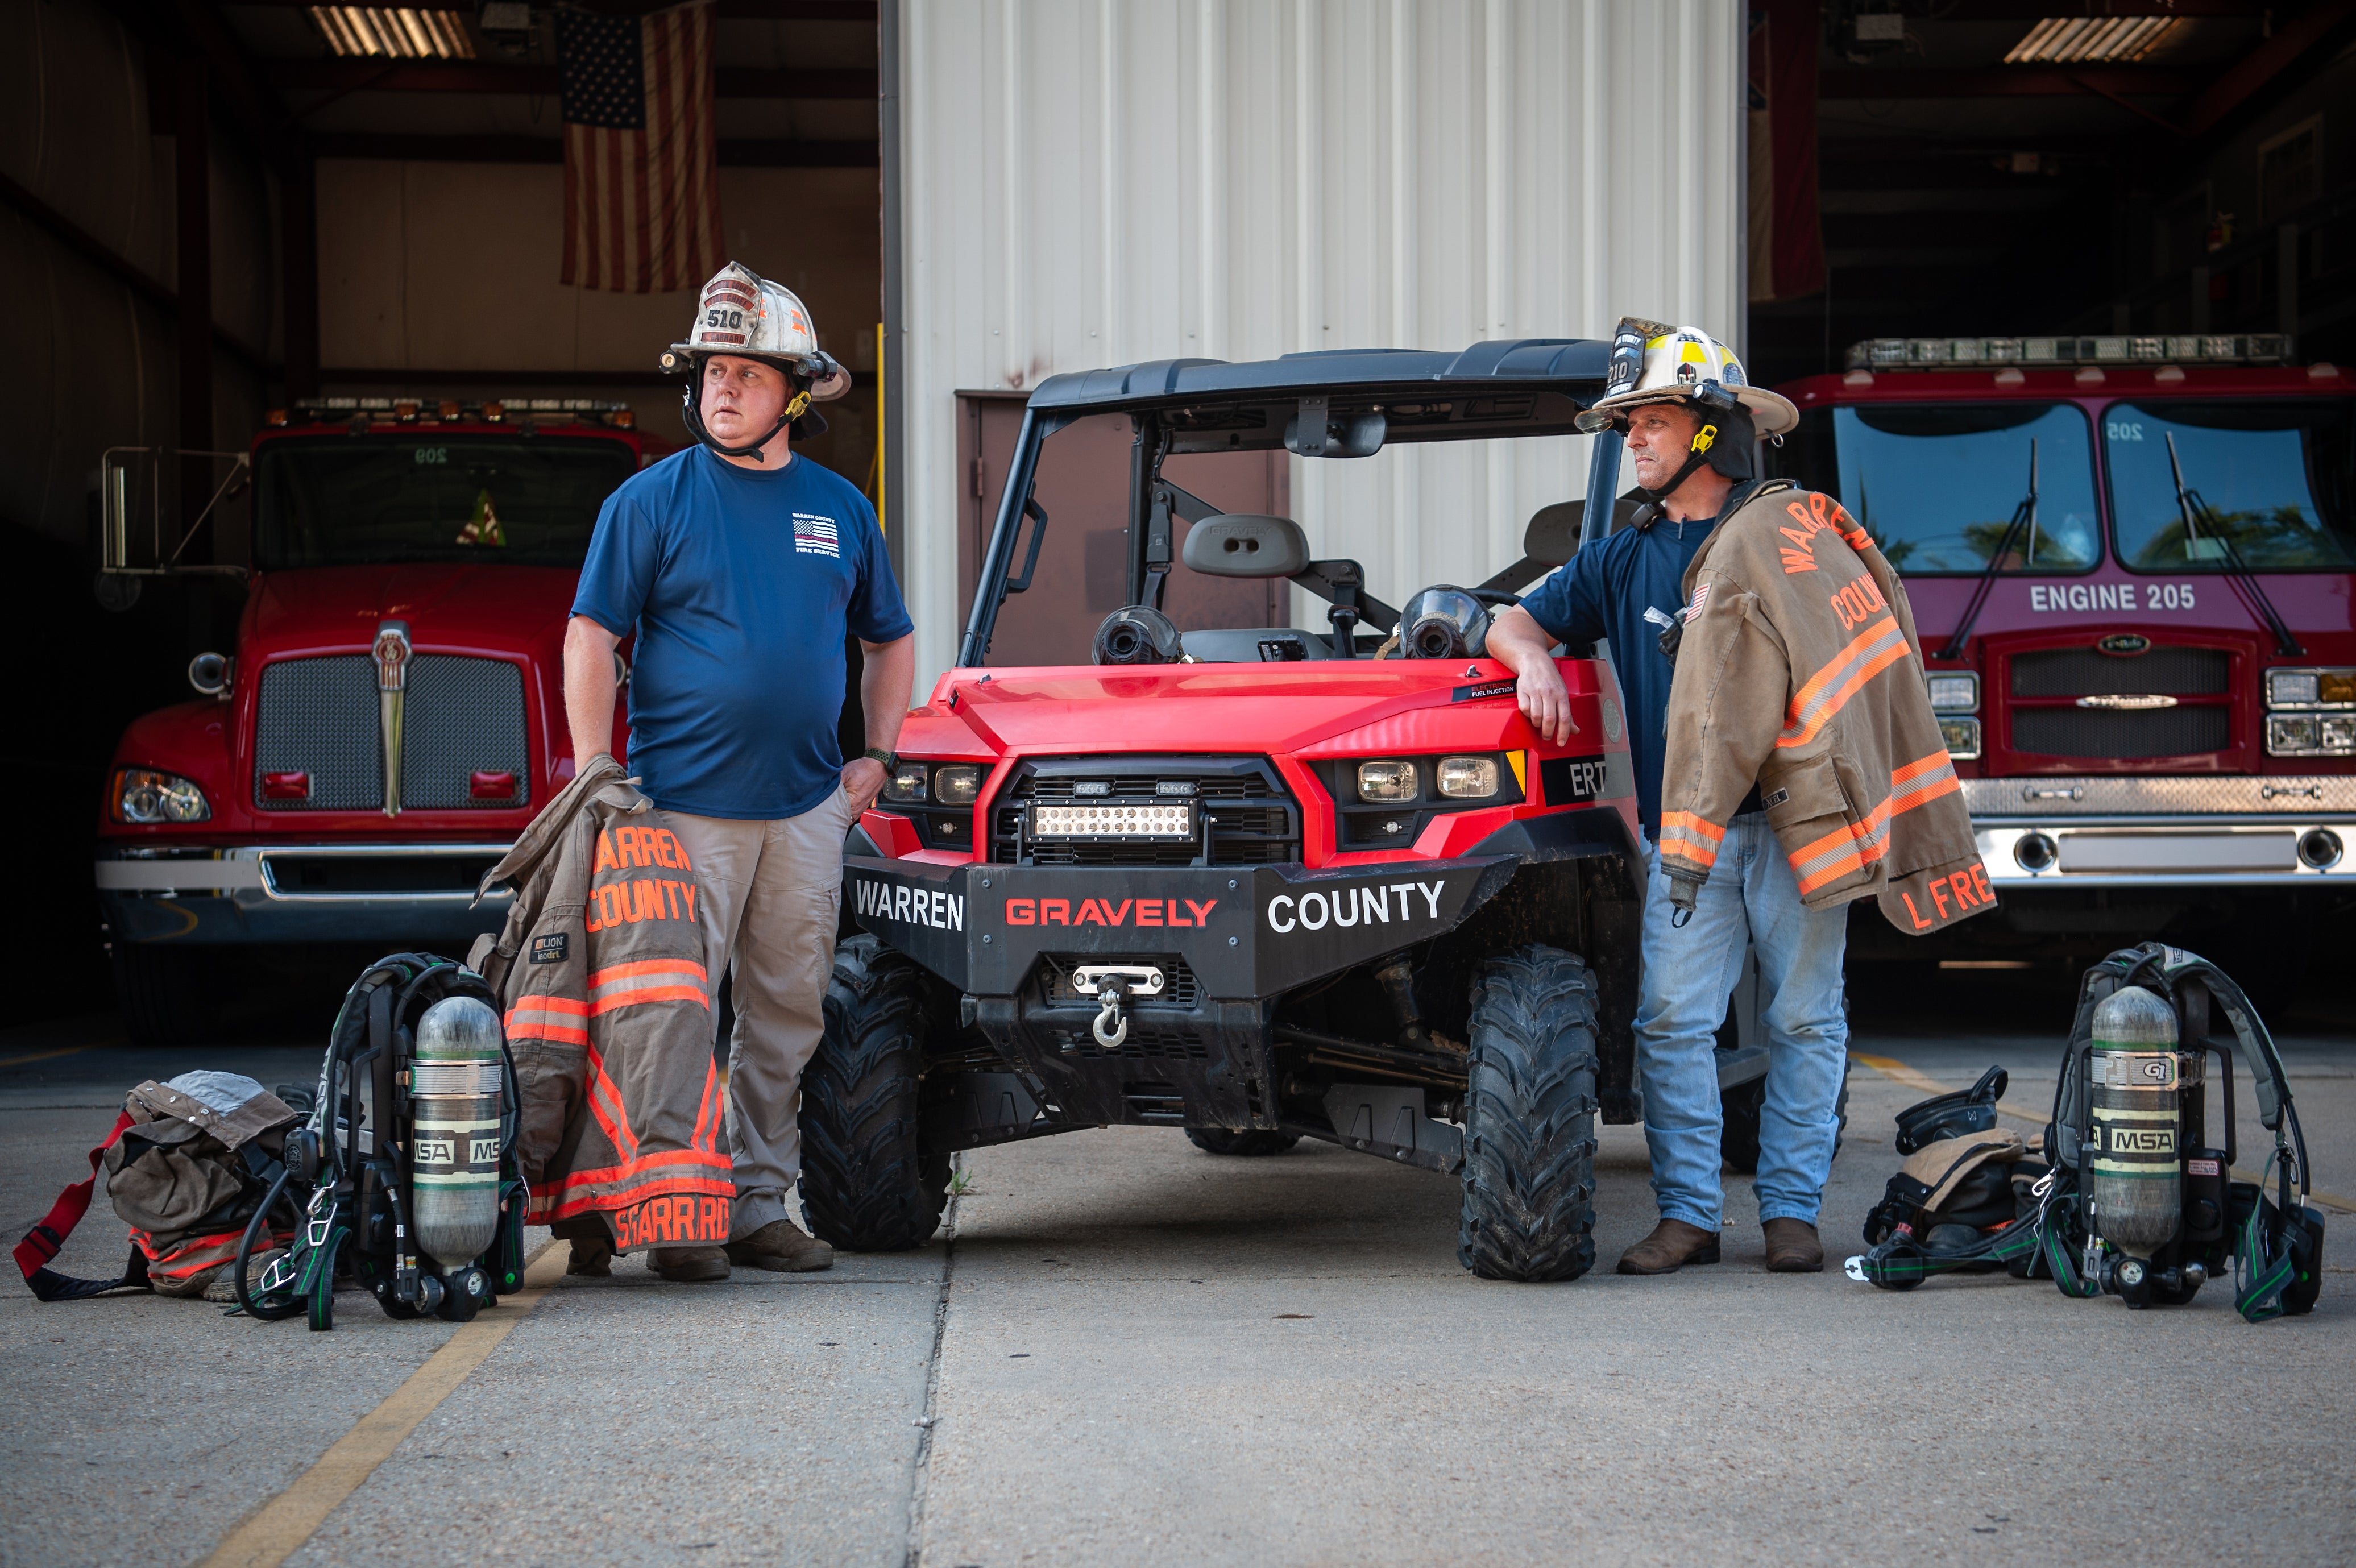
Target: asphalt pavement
[1123, 1350]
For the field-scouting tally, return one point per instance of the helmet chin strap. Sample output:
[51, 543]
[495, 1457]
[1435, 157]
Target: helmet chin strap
[691, 410]
[1704, 439]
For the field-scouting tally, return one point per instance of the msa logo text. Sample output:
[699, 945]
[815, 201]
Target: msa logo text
[941, 910]
[2142, 1140]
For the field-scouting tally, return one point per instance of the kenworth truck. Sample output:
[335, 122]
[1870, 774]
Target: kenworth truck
[392, 712]
[2131, 560]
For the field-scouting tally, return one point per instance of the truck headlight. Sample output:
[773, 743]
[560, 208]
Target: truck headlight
[2311, 734]
[2312, 688]
[957, 786]
[1386, 781]
[1955, 692]
[1467, 778]
[1962, 738]
[146, 796]
[907, 782]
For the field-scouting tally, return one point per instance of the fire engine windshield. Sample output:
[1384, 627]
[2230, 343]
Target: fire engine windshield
[2272, 477]
[369, 500]
[1940, 485]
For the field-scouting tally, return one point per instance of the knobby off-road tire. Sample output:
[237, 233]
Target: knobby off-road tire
[1253, 1143]
[1740, 1110]
[166, 994]
[868, 1183]
[1529, 1120]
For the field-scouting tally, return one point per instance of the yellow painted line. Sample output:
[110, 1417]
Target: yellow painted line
[42, 1055]
[274, 1531]
[1898, 1072]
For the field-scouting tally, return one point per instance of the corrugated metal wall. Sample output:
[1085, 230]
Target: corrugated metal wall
[1095, 182]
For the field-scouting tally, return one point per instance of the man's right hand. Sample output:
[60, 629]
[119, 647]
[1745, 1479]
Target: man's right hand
[1520, 645]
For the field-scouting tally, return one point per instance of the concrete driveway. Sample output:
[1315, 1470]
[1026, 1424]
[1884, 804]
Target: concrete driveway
[1124, 1350]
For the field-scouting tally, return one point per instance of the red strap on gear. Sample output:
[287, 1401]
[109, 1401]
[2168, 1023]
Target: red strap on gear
[47, 1238]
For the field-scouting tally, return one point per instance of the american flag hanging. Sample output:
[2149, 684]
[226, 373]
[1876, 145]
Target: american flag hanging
[641, 164]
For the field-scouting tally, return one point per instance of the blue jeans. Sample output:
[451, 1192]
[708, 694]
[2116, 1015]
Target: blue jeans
[1688, 976]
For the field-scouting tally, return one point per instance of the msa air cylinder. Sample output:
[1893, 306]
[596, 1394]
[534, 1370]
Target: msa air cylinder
[2137, 1185]
[455, 1086]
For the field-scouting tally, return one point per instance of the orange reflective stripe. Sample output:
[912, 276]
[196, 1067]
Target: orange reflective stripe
[606, 1104]
[686, 967]
[1874, 649]
[561, 1004]
[567, 1034]
[1938, 761]
[536, 1018]
[1831, 873]
[644, 994]
[1687, 847]
[1698, 827]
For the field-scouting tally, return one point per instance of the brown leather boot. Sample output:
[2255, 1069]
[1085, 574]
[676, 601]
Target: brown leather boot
[689, 1264]
[780, 1245]
[1792, 1248]
[593, 1256]
[1672, 1245]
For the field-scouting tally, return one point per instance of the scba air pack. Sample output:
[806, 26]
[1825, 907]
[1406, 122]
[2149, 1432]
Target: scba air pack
[2137, 1194]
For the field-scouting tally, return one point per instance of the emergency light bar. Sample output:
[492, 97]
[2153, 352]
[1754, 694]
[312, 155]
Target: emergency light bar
[411, 410]
[1927, 353]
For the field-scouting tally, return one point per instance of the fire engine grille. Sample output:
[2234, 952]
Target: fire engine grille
[2085, 672]
[2120, 737]
[1253, 820]
[460, 717]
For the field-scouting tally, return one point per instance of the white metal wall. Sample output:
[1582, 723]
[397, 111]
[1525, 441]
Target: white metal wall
[1097, 182]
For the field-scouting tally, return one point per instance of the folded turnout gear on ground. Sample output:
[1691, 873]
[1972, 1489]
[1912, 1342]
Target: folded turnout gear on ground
[405, 1172]
[2137, 1194]
[190, 1166]
[600, 974]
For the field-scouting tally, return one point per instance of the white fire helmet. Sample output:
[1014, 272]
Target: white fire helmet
[743, 312]
[1653, 363]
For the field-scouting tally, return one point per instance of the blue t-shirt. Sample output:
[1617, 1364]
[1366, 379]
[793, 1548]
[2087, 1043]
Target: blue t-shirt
[1603, 591]
[741, 585]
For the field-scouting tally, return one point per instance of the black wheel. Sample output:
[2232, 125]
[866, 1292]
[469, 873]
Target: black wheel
[1529, 1120]
[868, 1184]
[166, 994]
[1253, 1143]
[1740, 1109]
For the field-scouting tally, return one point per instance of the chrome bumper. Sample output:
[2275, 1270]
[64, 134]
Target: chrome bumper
[2110, 831]
[300, 893]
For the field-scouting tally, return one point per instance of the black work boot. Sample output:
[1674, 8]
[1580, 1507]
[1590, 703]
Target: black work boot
[1672, 1245]
[689, 1264]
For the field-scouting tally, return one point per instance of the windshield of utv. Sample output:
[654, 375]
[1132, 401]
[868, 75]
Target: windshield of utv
[366, 500]
[1447, 498]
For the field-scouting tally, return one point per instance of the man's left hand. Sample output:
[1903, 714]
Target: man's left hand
[863, 780]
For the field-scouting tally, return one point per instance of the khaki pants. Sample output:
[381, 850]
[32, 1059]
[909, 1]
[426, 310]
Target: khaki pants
[771, 890]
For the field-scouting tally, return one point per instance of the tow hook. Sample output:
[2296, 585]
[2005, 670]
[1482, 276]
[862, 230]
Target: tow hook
[1113, 984]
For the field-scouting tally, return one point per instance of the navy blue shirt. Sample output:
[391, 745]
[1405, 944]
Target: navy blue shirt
[1603, 591]
[741, 585]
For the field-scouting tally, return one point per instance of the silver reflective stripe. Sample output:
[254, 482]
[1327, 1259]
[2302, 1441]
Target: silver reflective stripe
[454, 1077]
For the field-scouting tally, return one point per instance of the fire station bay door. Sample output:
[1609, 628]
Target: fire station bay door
[1082, 486]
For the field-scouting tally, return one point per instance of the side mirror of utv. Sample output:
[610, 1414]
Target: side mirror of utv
[1242, 544]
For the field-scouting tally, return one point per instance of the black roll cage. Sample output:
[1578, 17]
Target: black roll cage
[1154, 501]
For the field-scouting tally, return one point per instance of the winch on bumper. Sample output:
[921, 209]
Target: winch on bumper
[1192, 960]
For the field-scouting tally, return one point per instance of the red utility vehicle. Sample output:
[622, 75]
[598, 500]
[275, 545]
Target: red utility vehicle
[1249, 879]
[392, 713]
[2131, 560]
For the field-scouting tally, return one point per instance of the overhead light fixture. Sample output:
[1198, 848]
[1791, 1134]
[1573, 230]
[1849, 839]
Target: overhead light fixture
[387, 32]
[2092, 40]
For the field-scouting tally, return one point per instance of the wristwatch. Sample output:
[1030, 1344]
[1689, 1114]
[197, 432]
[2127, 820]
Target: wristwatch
[889, 759]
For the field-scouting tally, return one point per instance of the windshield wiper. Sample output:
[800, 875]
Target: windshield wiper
[2024, 516]
[2190, 503]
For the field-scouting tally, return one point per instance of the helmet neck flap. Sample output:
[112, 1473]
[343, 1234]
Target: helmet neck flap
[691, 404]
[1724, 441]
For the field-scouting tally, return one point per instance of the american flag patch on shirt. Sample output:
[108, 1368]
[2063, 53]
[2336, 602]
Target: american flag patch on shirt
[1701, 596]
[816, 536]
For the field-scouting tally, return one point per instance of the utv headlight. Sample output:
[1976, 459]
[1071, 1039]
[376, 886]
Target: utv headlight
[1386, 781]
[1955, 692]
[907, 782]
[1468, 777]
[146, 796]
[957, 786]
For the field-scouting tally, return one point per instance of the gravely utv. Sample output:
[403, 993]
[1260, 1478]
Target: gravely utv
[1258, 882]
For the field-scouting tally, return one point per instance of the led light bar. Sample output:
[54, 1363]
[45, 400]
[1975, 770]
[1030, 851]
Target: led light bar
[1124, 821]
[2105, 40]
[1949, 353]
[393, 32]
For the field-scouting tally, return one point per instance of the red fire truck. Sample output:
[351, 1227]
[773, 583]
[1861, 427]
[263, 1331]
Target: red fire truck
[392, 713]
[2131, 560]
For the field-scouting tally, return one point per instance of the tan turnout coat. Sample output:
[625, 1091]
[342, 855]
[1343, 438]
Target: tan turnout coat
[1798, 667]
[600, 974]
